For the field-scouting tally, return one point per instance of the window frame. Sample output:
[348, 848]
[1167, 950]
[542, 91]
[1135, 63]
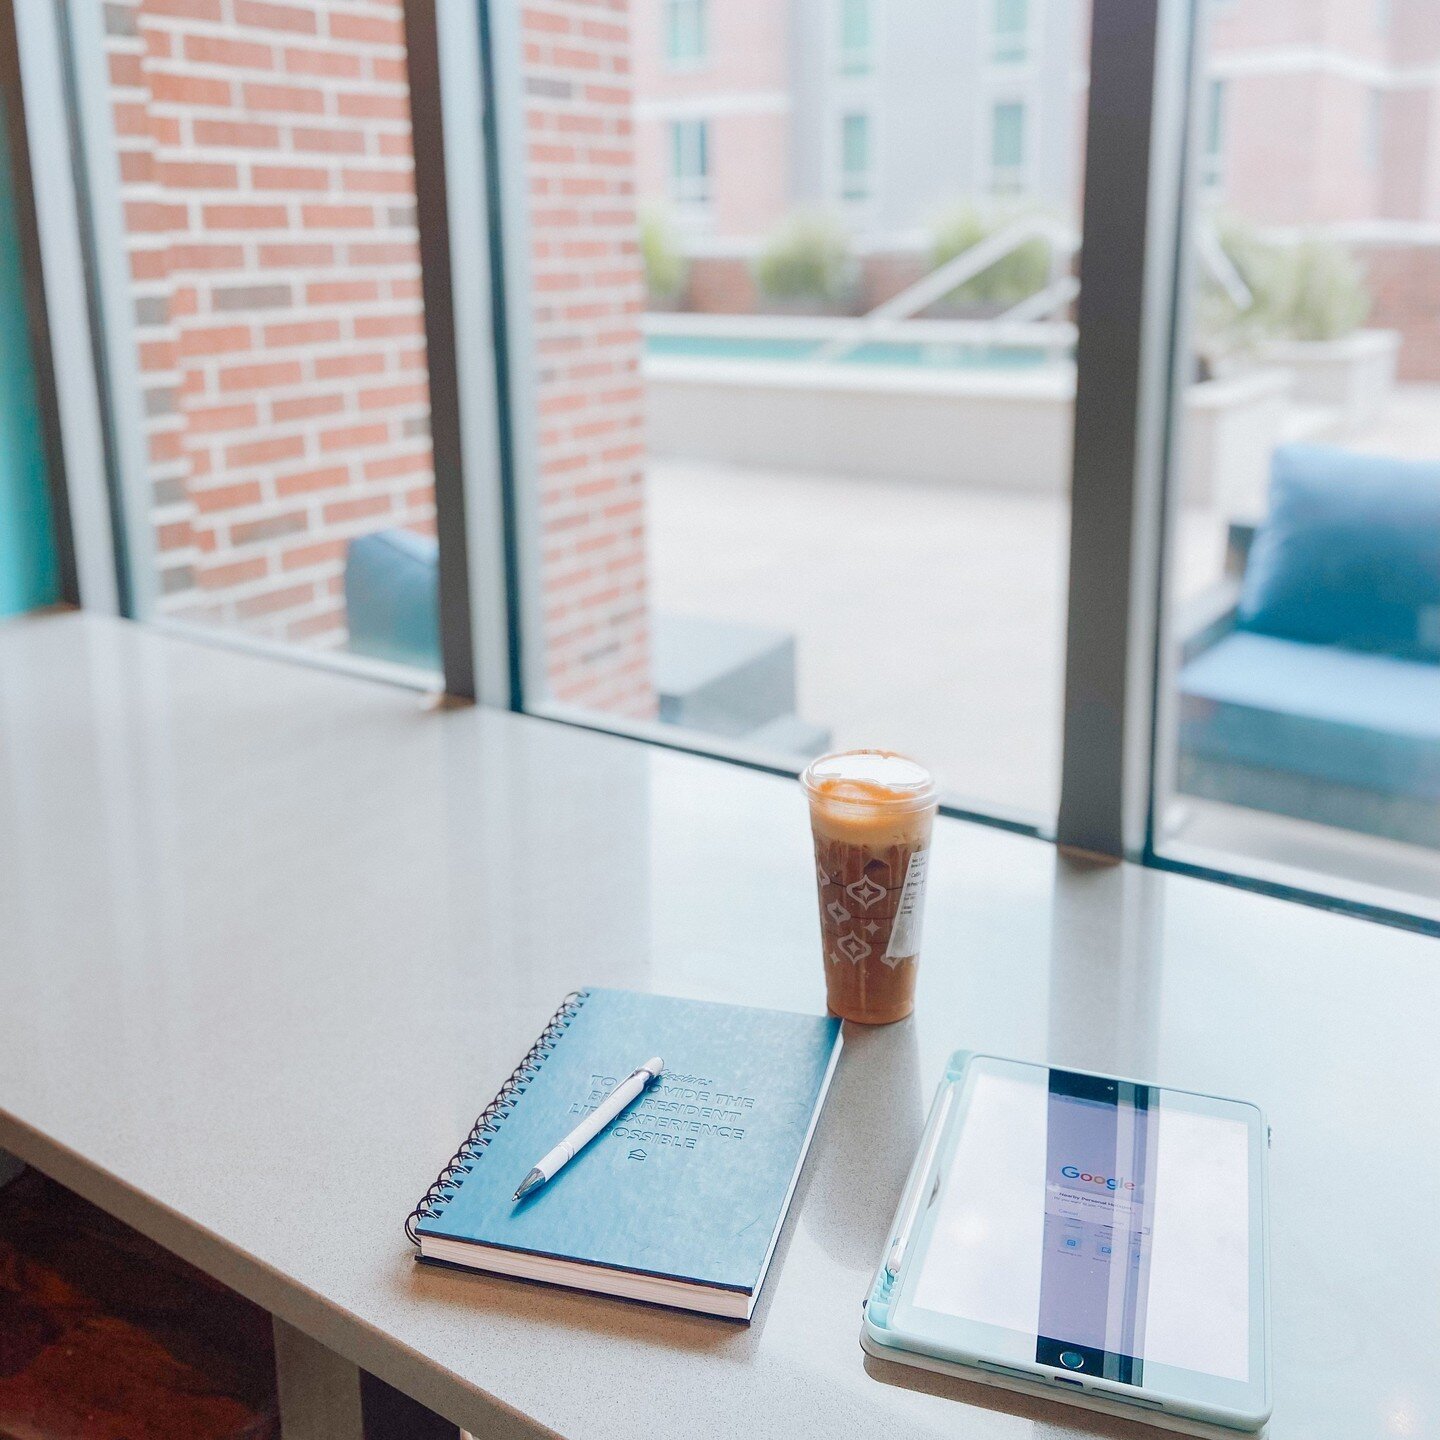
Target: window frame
[1022, 39]
[1143, 120]
[689, 190]
[852, 59]
[677, 14]
[1014, 176]
[856, 185]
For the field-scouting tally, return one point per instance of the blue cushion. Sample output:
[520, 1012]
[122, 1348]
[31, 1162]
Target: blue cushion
[1349, 553]
[392, 597]
[1338, 715]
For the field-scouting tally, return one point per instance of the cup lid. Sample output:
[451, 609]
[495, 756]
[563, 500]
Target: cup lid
[878, 777]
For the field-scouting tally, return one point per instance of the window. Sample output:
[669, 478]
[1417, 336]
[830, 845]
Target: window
[1212, 160]
[257, 251]
[1300, 698]
[686, 36]
[753, 529]
[690, 162]
[726, 514]
[1374, 138]
[1011, 39]
[1007, 148]
[854, 157]
[854, 37]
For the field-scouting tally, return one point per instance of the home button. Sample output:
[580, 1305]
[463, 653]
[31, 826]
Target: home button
[1072, 1359]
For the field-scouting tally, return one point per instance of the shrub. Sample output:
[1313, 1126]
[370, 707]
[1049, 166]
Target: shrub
[1010, 279]
[1325, 296]
[1312, 290]
[665, 269]
[807, 259]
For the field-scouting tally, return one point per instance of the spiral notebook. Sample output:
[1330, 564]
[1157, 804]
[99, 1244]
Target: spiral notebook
[681, 1199]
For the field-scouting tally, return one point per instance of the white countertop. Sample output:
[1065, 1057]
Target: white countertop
[270, 937]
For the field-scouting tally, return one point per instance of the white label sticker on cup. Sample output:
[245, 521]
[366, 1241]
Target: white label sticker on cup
[905, 934]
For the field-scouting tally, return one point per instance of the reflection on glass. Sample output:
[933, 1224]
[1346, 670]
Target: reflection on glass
[802, 453]
[1303, 733]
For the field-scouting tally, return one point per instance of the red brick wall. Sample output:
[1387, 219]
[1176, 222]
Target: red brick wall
[269, 201]
[589, 292]
[1404, 285]
[268, 192]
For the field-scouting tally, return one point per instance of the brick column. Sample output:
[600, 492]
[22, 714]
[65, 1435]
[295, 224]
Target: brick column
[589, 293]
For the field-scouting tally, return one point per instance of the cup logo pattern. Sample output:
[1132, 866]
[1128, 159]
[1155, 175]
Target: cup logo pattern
[859, 897]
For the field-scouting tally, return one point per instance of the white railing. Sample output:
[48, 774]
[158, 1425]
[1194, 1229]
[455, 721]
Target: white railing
[878, 323]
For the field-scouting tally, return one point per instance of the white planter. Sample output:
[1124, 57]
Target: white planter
[1352, 377]
[1231, 429]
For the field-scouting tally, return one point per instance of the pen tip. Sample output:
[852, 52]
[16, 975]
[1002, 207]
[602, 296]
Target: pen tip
[533, 1181]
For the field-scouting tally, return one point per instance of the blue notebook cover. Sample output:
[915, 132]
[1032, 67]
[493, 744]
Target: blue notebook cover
[690, 1183]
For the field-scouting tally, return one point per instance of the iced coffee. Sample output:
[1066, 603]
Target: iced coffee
[871, 813]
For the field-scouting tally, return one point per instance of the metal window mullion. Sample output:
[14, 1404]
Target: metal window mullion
[1134, 172]
[453, 211]
[503, 57]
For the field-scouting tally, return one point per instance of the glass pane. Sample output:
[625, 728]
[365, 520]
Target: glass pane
[1007, 137]
[795, 487]
[268, 216]
[854, 28]
[1011, 21]
[1302, 706]
[854, 150]
[686, 31]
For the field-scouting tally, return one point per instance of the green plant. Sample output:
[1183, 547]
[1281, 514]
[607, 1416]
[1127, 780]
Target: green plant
[1311, 290]
[806, 259]
[665, 268]
[1012, 278]
[1325, 296]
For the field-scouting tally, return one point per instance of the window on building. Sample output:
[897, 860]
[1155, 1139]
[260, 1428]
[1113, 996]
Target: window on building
[1007, 147]
[1011, 41]
[854, 157]
[1212, 158]
[686, 33]
[855, 40]
[690, 162]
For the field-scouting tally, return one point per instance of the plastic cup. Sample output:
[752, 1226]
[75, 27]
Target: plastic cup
[871, 814]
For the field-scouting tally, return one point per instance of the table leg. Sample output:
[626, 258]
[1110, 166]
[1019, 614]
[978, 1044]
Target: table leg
[324, 1396]
[10, 1167]
[319, 1390]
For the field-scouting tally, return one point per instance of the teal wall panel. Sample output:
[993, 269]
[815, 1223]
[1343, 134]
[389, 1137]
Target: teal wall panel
[29, 573]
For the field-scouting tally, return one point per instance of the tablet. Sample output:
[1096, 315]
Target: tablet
[1097, 1237]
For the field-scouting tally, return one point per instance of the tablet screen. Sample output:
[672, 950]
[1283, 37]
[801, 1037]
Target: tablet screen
[1105, 1226]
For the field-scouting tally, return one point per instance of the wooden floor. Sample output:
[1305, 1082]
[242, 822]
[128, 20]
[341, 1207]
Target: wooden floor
[105, 1336]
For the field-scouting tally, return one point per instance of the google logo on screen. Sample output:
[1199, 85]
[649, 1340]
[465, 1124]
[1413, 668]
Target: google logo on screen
[1073, 1172]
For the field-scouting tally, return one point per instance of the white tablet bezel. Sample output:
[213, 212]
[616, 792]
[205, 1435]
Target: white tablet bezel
[897, 1325]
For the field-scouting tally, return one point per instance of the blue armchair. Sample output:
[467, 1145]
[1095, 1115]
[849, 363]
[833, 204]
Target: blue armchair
[1315, 691]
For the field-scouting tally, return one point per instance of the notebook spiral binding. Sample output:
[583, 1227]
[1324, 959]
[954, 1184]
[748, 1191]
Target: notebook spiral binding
[448, 1181]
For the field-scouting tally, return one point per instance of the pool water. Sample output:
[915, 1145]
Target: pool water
[927, 355]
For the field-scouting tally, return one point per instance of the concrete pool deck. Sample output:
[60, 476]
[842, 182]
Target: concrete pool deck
[927, 617]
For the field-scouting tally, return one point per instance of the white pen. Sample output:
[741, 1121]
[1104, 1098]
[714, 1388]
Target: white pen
[550, 1165]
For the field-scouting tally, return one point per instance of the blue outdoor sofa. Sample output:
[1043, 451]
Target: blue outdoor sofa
[1315, 691]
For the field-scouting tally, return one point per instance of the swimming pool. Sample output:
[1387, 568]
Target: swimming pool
[984, 403]
[928, 354]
